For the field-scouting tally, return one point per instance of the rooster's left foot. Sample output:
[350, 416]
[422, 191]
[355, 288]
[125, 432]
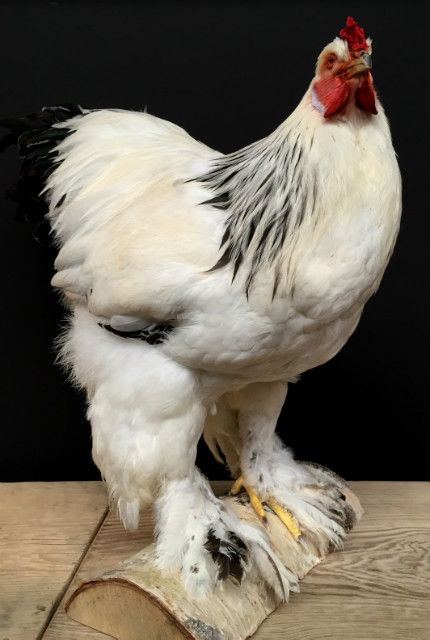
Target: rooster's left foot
[257, 504]
[310, 500]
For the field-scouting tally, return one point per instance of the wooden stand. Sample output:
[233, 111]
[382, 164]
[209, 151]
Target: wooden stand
[136, 600]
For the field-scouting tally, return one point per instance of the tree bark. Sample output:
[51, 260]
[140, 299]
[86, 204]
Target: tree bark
[136, 600]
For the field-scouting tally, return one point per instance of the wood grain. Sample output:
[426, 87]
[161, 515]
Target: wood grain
[112, 545]
[45, 530]
[377, 588]
[159, 603]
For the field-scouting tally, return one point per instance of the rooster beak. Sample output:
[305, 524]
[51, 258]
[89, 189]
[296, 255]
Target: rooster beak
[359, 65]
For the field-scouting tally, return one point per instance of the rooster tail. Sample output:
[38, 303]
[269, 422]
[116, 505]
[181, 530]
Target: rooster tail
[36, 138]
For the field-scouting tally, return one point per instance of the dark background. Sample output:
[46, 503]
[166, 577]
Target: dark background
[229, 73]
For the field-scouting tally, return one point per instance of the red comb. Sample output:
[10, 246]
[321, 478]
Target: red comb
[354, 35]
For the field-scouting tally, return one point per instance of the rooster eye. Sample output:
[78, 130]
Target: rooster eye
[331, 59]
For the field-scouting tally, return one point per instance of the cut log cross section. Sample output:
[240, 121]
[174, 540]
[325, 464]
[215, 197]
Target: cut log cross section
[137, 601]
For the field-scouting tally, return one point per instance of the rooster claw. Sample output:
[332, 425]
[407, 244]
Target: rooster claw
[283, 514]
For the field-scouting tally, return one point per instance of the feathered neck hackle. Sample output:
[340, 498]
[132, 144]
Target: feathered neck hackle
[266, 193]
[269, 191]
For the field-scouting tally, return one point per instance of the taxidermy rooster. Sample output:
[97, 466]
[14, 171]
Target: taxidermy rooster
[200, 284]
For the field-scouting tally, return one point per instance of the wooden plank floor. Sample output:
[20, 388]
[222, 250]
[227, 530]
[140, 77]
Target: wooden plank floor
[45, 530]
[378, 588]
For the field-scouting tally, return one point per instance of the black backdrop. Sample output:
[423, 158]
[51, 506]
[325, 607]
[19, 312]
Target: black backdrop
[229, 73]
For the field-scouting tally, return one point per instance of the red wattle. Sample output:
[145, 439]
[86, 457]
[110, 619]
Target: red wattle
[365, 96]
[333, 94]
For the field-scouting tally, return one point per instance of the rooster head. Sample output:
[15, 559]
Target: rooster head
[342, 75]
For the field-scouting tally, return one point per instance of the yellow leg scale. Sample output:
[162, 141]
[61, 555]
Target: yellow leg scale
[283, 514]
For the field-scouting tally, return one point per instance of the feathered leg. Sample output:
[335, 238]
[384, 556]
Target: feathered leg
[300, 495]
[147, 415]
[199, 535]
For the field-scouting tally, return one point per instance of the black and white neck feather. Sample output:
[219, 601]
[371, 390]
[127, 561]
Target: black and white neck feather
[267, 190]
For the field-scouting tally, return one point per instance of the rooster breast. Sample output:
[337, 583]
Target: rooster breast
[344, 251]
[332, 265]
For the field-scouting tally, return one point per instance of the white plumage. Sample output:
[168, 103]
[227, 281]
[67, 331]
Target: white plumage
[244, 271]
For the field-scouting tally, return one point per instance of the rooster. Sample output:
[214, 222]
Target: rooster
[200, 284]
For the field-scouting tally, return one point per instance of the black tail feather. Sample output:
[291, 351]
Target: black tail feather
[38, 126]
[37, 139]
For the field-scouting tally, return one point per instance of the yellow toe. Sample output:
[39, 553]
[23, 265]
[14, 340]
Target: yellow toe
[256, 504]
[285, 516]
[239, 483]
[254, 499]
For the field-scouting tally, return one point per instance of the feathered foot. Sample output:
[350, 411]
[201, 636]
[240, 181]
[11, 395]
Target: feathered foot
[308, 499]
[283, 514]
[202, 537]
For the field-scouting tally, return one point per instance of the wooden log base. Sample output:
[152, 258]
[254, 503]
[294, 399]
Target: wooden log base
[137, 600]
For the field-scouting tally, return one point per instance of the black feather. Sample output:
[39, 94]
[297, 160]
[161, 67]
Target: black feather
[152, 334]
[222, 262]
[36, 138]
[262, 189]
[219, 202]
[229, 555]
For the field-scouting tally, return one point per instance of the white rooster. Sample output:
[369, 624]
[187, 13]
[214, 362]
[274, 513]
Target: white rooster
[200, 284]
